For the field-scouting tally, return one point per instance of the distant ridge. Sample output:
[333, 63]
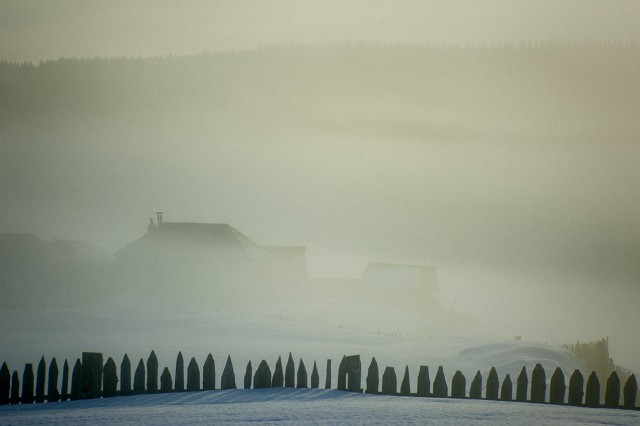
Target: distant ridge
[382, 90]
[362, 44]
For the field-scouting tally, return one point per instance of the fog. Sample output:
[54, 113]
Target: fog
[511, 169]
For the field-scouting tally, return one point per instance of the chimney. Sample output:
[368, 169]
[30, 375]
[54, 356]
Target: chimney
[159, 215]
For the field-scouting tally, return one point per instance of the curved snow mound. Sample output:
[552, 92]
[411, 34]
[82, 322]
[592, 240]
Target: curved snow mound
[303, 406]
[509, 357]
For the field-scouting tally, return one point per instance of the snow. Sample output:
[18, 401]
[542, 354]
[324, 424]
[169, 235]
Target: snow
[245, 336]
[303, 406]
[248, 333]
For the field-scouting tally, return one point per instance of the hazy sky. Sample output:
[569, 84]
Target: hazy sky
[39, 29]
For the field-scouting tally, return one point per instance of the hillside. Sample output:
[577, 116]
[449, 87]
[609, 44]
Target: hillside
[415, 91]
[135, 325]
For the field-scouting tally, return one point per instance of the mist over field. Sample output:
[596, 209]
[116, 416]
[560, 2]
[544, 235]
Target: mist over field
[511, 169]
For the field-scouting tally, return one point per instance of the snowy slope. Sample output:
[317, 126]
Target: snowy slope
[249, 334]
[303, 406]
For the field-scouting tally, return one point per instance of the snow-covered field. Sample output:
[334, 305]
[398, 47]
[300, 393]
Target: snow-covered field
[304, 406]
[29, 334]
[248, 333]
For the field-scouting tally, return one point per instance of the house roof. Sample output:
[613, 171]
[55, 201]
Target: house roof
[180, 239]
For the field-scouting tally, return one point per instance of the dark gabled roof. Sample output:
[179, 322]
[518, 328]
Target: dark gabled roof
[193, 240]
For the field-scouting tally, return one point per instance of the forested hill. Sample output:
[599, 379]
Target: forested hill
[413, 90]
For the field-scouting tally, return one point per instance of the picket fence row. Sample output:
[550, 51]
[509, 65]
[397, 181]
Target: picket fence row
[91, 378]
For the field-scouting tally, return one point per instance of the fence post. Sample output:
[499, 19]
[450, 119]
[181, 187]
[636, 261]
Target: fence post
[327, 382]
[342, 374]
[152, 373]
[179, 373]
[315, 377]
[592, 398]
[576, 388]
[538, 384]
[15, 388]
[475, 390]
[209, 374]
[193, 376]
[289, 373]
[521, 385]
[373, 379]
[612, 393]
[354, 371]
[228, 380]
[277, 381]
[262, 378]
[440, 388]
[92, 366]
[27, 384]
[247, 376]
[76, 380]
[389, 382]
[65, 381]
[139, 378]
[630, 392]
[424, 383]
[302, 375]
[506, 393]
[458, 385]
[166, 384]
[110, 380]
[405, 386]
[557, 390]
[52, 389]
[5, 384]
[125, 376]
[40, 378]
[493, 385]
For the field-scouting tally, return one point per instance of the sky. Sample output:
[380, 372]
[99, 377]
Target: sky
[33, 30]
[519, 185]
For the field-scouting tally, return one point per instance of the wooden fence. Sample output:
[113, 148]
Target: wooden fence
[91, 378]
